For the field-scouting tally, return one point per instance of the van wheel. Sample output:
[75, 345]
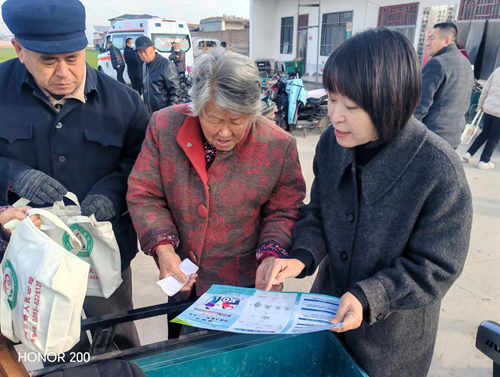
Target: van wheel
[99, 69]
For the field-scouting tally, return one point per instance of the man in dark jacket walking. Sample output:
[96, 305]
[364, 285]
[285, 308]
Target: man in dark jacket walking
[179, 58]
[134, 65]
[116, 61]
[59, 132]
[446, 86]
[161, 81]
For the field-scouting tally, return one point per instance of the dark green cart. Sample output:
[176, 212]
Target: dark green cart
[314, 354]
[213, 353]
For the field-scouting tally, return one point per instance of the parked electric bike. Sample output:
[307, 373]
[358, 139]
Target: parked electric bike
[299, 109]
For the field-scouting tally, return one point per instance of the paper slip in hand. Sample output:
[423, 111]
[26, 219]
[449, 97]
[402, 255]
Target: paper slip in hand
[171, 285]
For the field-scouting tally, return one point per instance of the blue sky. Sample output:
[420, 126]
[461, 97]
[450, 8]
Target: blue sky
[99, 11]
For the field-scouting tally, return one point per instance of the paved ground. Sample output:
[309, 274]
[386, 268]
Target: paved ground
[474, 297]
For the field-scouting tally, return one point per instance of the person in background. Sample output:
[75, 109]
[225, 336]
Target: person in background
[161, 81]
[134, 65]
[489, 102]
[389, 221]
[59, 132]
[447, 81]
[216, 182]
[179, 58]
[116, 61]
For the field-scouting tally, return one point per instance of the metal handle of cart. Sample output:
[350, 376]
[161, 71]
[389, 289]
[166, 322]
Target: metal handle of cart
[103, 329]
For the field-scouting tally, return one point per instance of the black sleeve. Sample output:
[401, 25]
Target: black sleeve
[171, 83]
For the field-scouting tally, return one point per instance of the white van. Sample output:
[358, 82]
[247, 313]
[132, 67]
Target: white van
[202, 44]
[162, 32]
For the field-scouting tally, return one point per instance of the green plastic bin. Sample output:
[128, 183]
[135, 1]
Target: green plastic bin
[314, 354]
[290, 66]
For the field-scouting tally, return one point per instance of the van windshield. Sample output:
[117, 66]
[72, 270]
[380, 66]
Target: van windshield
[120, 39]
[163, 42]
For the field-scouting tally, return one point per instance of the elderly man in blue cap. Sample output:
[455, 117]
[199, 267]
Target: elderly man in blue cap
[65, 126]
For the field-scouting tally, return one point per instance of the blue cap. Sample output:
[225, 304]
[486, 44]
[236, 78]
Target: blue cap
[47, 26]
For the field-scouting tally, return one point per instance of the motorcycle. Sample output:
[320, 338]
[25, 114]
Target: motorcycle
[268, 107]
[184, 86]
[299, 109]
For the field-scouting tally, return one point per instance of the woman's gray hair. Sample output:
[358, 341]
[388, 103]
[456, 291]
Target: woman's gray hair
[229, 79]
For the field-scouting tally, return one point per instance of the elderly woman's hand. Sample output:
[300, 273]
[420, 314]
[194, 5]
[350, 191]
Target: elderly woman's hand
[168, 262]
[18, 213]
[272, 272]
[350, 312]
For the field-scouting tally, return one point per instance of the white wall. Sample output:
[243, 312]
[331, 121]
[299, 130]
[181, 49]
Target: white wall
[265, 23]
[211, 25]
[264, 35]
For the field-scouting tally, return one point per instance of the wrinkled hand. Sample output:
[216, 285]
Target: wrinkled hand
[168, 262]
[37, 187]
[18, 213]
[350, 312]
[100, 206]
[275, 271]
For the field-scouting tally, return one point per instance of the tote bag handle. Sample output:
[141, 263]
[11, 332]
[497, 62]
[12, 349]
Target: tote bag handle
[24, 202]
[57, 222]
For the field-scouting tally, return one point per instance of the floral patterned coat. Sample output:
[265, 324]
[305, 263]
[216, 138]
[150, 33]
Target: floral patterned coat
[251, 195]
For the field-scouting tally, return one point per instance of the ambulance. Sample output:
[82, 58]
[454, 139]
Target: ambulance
[161, 31]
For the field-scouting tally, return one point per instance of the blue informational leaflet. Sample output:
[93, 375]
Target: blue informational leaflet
[253, 311]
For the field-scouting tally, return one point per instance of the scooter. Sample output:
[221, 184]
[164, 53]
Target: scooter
[299, 109]
[268, 107]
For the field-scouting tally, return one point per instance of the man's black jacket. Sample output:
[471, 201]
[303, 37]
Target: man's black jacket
[134, 63]
[161, 83]
[116, 57]
[90, 148]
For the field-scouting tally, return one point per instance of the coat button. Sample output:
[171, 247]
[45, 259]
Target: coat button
[344, 255]
[62, 159]
[350, 217]
[193, 257]
[59, 125]
[202, 210]
[189, 145]
[380, 317]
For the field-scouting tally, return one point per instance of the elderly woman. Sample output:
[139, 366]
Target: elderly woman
[390, 214]
[215, 181]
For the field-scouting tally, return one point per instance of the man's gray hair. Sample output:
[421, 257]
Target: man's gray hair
[229, 79]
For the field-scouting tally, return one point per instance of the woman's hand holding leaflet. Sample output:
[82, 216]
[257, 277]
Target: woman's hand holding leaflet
[168, 262]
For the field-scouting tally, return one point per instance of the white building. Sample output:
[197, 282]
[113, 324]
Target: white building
[221, 23]
[284, 30]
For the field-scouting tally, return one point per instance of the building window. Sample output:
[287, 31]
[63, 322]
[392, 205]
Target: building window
[286, 41]
[334, 31]
[479, 10]
[402, 18]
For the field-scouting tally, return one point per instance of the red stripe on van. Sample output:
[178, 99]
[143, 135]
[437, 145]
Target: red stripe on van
[124, 30]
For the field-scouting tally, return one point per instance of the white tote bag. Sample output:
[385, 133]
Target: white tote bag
[471, 128]
[99, 246]
[43, 288]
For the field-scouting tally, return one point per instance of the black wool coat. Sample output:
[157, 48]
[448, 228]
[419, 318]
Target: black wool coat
[396, 233]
